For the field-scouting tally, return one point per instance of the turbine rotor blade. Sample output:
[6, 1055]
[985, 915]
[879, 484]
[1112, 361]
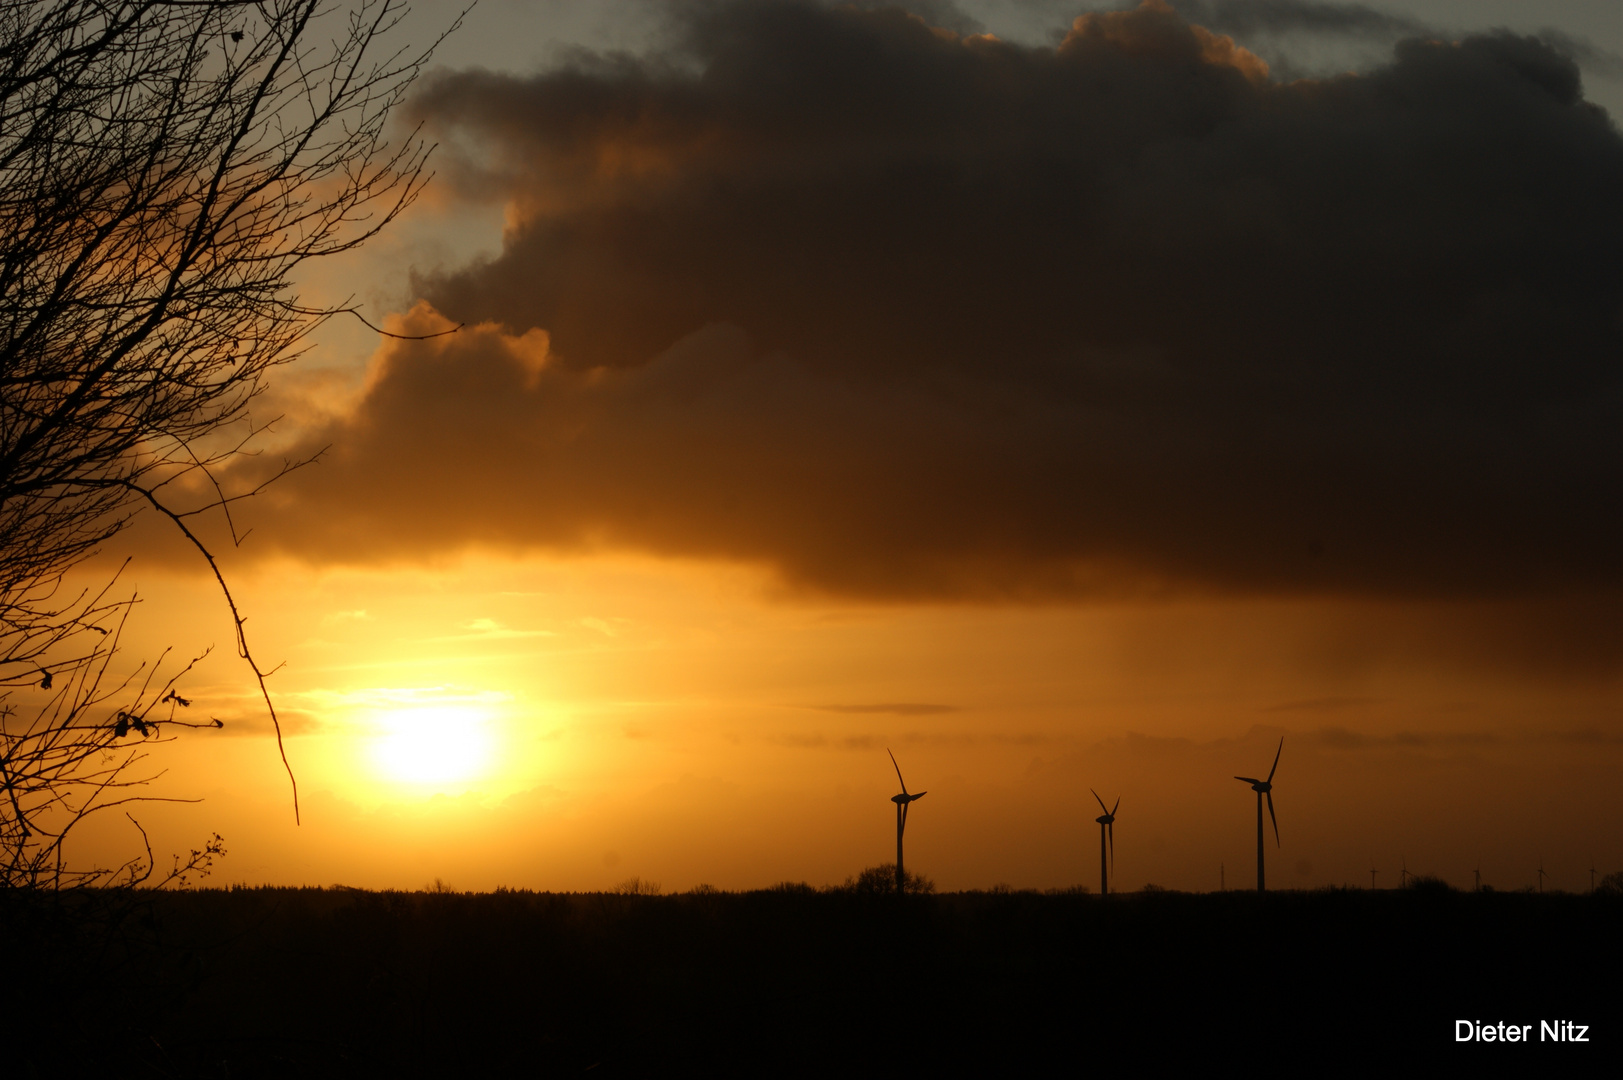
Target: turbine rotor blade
[1113, 808]
[1249, 779]
[1281, 750]
[1100, 801]
[898, 770]
[1273, 819]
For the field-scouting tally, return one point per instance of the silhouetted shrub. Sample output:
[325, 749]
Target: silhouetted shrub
[704, 890]
[1611, 884]
[1428, 883]
[635, 886]
[794, 887]
[882, 879]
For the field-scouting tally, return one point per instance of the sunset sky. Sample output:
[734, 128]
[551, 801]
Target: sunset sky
[1061, 395]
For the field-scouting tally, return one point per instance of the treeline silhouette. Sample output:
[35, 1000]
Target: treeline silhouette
[793, 980]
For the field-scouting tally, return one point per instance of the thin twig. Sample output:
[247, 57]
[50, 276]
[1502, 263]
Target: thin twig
[242, 636]
[397, 337]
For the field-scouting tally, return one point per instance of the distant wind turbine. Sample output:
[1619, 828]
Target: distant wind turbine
[1541, 874]
[1591, 876]
[901, 802]
[1265, 787]
[1107, 827]
[1372, 873]
[1404, 875]
[1478, 873]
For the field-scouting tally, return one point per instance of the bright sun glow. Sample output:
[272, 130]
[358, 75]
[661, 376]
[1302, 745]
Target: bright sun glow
[434, 744]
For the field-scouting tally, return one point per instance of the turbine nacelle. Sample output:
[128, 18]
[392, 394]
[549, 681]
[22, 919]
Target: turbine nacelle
[1108, 830]
[901, 802]
[1265, 788]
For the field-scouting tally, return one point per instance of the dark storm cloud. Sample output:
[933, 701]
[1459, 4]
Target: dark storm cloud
[902, 313]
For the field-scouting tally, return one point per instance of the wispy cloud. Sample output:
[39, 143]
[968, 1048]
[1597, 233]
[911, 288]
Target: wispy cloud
[1582, 737]
[490, 630]
[1324, 704]
[894, 708]
[1342, 739]
[819, 741]
[1299, 16]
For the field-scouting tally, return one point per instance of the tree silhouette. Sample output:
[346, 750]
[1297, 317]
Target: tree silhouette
[882, 879]
[165, 167]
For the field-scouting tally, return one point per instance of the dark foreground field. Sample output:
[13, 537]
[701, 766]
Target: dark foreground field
[285, 982]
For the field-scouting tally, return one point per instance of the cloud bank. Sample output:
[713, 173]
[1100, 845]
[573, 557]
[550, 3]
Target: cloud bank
[904, 313]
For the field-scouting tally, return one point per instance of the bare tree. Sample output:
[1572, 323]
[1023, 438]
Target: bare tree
[165, 166]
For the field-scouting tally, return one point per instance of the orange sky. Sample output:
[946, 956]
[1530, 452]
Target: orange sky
[642, 572]
[566, 724]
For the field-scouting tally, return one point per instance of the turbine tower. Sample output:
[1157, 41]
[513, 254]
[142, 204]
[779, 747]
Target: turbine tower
[1107, 827]
[1541, 874]
[1265, 787]
[1372, 873]
[901, 802]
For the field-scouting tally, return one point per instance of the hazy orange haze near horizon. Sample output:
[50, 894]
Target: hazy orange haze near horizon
[676, 722]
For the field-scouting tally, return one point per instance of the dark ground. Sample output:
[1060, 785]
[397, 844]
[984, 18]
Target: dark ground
[310, 982]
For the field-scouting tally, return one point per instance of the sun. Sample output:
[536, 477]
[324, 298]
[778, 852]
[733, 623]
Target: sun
[434, 744]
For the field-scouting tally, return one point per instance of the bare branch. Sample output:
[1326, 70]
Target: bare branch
[166, 166]
[242, 639]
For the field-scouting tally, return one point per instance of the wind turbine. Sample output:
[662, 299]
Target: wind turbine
[1107, 826]
[1404, 875]
[1541, 873]
[1372, 873]
[1478, 873]
[1265, 787]
[901, 802]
